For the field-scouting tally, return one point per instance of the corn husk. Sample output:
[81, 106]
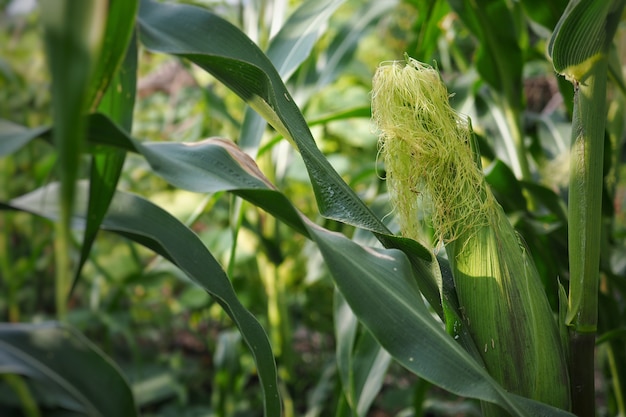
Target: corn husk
[431, 167]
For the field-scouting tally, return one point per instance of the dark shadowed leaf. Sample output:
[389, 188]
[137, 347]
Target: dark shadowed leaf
[57, 355]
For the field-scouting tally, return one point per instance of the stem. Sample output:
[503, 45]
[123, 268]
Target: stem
[585, 211]
[581, 369]
[73, 31]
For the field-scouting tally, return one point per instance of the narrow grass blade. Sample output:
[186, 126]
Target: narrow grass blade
[73, 32]
[362, 362]
[106, 163]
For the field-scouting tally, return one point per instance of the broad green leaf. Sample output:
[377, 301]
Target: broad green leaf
[378, 284]
[381, 291]
[287, 50]
[584, 32]
[237, 62]
[233, 59]
[57, 355]
[141, 221]
[293, 43]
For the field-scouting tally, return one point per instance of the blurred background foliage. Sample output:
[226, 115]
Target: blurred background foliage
[178, 348]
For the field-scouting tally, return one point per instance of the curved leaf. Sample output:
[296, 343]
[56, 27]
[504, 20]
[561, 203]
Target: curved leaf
[236, 61]
[287, 50]
[223, 50]
[293, 43]
[381, 291]
[139, 220]
[585, 30]
[58, 355]
[378, 284]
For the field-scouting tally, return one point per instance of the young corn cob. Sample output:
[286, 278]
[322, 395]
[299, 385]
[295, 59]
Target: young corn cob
[428, 156]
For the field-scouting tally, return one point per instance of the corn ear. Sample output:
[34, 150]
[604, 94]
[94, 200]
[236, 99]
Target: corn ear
[427, 151]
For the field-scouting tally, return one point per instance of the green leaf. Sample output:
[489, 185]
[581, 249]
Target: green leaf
[293, 43]
[73, 32]
[379, 287]
[378, 284]
[13, 136]
[120, 24]
[57, 355]
[106, 164]
[497, 26]
[585, 30]
[143, 222]
[287, 50]
[362, 362]
[237, 62]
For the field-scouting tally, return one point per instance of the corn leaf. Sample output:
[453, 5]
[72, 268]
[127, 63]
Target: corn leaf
[57, 355]
[379, 285]
[118, 103]
[585, 30]
[149, 225]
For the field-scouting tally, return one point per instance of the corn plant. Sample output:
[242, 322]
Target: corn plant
[488, 320]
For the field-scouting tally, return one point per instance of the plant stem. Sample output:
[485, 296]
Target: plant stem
[582, 373]
[73, 31]
[585, 211]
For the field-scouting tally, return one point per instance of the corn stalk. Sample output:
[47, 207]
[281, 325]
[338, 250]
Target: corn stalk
[579, 48]
[73, 34]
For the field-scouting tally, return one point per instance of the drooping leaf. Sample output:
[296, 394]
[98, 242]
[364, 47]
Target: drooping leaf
[293, 43]
[380, 290]
[151, 226]
[57, 355]
[287, 50]
[237, 62]
[378, 284]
